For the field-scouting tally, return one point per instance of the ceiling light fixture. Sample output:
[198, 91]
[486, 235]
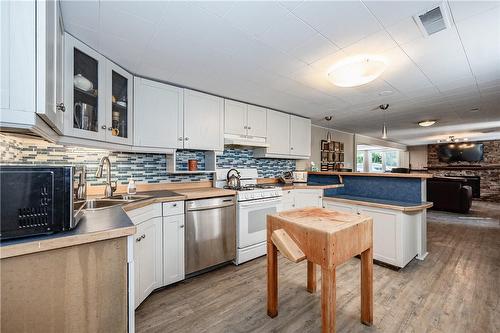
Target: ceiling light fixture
[427, 123]
[384, 107]
[357, 70]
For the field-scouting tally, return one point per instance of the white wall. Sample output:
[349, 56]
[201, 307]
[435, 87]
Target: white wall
[418, 156]
[368, 140]
[319, 133]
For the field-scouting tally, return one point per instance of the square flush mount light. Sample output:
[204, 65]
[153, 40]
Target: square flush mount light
[357, 70]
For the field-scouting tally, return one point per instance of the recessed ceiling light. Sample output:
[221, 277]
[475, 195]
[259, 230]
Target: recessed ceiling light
[386, 93]
[427, 123]
[356, 71]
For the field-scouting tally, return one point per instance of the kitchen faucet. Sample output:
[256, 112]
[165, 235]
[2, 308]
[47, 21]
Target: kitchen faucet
[108, 191]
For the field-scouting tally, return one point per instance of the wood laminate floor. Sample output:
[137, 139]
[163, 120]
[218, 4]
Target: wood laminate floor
[456, 289]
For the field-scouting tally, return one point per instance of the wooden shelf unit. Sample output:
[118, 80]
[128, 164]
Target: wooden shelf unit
[332, 155]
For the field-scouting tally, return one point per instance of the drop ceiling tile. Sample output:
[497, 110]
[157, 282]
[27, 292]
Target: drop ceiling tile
[151, 11]
[465, 9]
[88, 36]
[219, 8]
[343, 22]
[287, 33]
[404, 31]
[480, 35]
[390, 12]
[314, 49]
[255, 17]
[290, 5]
[373, 45]
[120, 50]
[83, 13]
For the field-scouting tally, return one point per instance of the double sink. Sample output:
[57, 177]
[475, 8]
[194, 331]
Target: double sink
[115, 200]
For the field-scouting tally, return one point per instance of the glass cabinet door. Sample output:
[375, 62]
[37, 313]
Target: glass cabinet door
[119, 105]
[84, 71]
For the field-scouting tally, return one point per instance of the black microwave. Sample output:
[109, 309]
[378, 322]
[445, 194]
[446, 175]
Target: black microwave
[36, 200]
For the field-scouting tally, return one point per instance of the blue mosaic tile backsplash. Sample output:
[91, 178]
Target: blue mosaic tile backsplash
[243, 158]
[143, 167]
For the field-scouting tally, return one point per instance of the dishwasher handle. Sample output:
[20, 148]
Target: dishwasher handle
[210, 207]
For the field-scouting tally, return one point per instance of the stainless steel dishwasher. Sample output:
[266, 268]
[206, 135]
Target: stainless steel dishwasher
[210, 235]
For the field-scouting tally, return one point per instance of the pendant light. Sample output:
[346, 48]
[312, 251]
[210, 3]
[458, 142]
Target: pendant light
[384, 107]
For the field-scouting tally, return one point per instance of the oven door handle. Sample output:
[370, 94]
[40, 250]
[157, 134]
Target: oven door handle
[253, 203]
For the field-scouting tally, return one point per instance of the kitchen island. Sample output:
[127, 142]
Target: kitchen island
[396, 202]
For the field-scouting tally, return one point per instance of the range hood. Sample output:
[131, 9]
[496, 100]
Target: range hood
[244, 140]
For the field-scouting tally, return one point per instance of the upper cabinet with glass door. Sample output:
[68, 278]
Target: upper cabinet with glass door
[118, 104]
[98, 96]
[84, 87]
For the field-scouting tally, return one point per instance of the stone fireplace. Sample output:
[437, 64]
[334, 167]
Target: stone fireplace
[483, 177]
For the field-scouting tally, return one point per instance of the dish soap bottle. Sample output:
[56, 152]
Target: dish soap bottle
[131, 188]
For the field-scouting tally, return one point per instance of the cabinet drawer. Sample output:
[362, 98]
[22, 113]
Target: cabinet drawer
[143, 214]
[173, 208]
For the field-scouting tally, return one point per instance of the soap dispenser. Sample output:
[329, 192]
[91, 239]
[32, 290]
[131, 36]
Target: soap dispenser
[131, 188]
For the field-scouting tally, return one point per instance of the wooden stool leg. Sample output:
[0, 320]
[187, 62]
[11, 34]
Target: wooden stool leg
[311, 277]
[367, 287]
[328, 300]
[272, 280]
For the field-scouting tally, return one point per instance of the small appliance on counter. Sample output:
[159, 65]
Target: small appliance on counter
[37, 200]
[287, 177]
[299, 176]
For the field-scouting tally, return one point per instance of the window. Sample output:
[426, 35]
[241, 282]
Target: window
[391, 159]
[376, 159]
[360, 161]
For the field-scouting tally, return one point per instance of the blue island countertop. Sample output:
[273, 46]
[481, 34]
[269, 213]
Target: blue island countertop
[380, 203]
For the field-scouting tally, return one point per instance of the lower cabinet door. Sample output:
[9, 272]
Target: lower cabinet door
[308, 198]
[147, 258]
[386, 235]
[173, 249]
[339, 206]
[287, 200]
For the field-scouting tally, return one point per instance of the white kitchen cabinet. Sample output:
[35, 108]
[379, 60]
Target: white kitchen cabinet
[300, 136]
[278, 132]
[148, 251]
[300, 198]
[308, 198]
[119, 104]
[203, 121]
[339, 206]
[30, 66]
[235, 117]
[256, 121]
[173, 248]
[85, 108]
[158, 114]
[395, 233]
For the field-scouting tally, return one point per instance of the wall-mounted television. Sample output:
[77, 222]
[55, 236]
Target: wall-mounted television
[459, 152]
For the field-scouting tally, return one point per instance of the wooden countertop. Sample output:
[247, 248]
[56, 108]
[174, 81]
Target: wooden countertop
[94, 226]
[306, 186]
[202, 193]
[371, 174]
[379, 203]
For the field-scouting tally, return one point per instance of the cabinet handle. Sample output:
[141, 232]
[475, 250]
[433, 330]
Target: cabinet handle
[61, 107]
[174, 205]
[103, 126]
[180, 138]
[181, 226]
[186, 138]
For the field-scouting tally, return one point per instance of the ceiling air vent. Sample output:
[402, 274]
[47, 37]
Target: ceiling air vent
[433, 21]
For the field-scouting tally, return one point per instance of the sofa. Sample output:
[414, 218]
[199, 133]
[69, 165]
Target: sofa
[449, 194]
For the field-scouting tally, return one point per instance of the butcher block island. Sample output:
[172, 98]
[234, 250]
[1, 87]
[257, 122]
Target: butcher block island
[326, 238]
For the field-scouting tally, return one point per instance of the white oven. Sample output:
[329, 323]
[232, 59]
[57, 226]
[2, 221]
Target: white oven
[251, 220]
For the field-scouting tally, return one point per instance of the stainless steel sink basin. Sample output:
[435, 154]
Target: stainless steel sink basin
[95, 204]
[130, 197]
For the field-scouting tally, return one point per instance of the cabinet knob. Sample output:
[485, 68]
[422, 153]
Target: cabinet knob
[180, 138]
[248, 127]
[245, 127]
[174, 205]
[186, 138]
[291, 148]
[181, 226]
[110, 128]
[103, 126]
[61, 107]
[138, 239]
